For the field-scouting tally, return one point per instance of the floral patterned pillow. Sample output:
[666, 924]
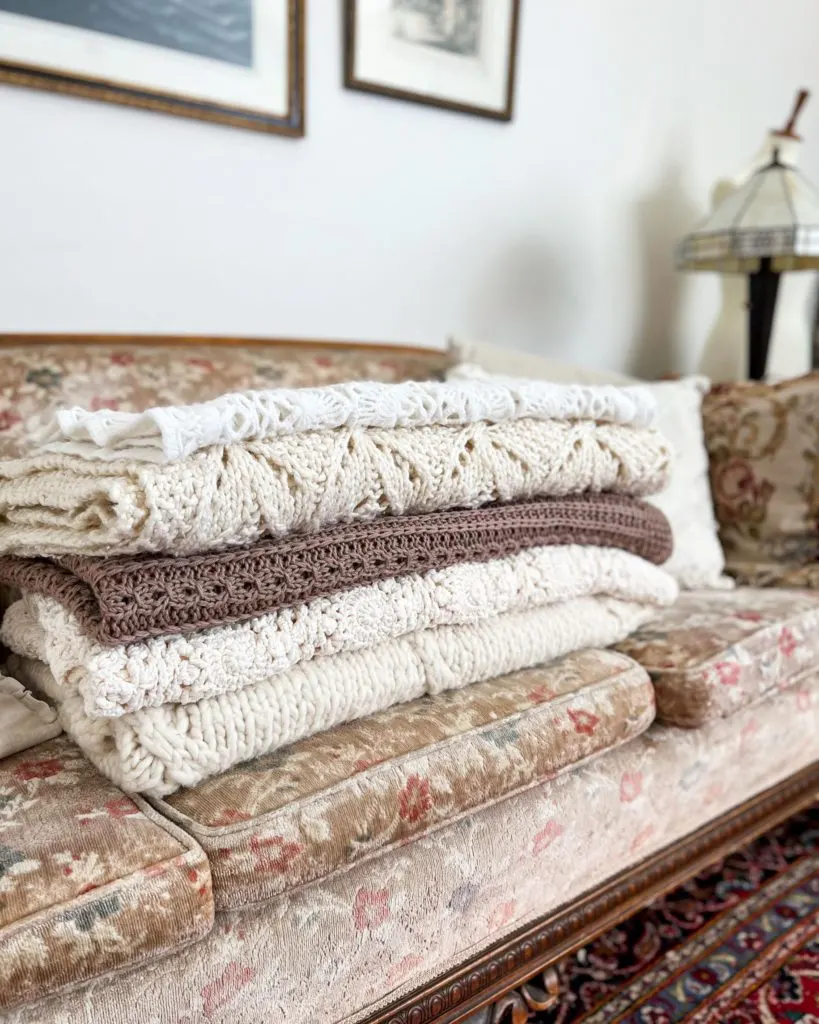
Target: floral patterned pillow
[35, 380]
[763, 444]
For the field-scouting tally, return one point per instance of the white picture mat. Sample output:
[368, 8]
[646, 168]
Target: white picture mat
[82, 52]
[482, 81]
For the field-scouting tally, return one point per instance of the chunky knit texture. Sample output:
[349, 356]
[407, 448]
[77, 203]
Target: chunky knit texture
[232, 495]
[174, 432]
[129, 598]
[184, 669]
[158, 750]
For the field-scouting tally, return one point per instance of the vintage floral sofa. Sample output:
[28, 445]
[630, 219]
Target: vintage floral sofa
[432, 863]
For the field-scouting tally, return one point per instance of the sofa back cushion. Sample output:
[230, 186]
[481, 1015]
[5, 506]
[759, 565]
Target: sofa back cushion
[763, 444]
[509, 362]
[37, 379]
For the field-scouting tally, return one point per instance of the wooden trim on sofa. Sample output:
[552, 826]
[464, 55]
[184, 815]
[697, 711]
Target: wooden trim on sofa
[495, 983]
[12, 339]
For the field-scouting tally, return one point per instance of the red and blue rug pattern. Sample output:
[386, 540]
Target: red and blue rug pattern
[739, 944]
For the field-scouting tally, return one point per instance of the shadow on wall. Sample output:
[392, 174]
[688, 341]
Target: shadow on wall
[661, 217]
[528, 293]
[524, 297]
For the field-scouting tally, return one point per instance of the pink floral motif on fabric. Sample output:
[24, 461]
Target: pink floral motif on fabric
[584, 721]
[415, 799]
[220, 992]
[547, 835]
[631, 785]
[371, 908]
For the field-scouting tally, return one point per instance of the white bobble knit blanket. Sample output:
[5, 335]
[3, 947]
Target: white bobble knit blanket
[158, 750]
[174, 432]
[52, 504]
[184, 669]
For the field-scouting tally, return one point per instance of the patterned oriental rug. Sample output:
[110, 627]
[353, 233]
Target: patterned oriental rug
[737, 945]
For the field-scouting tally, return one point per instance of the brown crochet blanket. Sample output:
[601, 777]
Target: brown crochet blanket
[128, 598]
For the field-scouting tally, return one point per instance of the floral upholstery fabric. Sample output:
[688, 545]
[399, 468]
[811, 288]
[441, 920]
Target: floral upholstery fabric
[345, 947]
[90, 881]
[787, 576]
[35, 380]
[763, 445]
[321, 805]
[715, 652]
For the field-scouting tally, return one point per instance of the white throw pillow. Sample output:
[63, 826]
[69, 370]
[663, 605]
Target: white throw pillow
[510, 363]
[698, 561]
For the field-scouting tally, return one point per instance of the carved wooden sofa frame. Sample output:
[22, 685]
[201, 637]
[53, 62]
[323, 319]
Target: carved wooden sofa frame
[512, 981]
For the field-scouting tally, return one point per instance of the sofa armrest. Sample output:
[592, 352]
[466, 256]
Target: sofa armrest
[763, 447]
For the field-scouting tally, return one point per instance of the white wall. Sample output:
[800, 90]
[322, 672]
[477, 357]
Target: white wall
[402, 223]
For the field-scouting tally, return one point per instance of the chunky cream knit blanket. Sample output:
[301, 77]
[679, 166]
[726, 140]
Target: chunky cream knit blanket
[174, 432]
[188, 668]
[53, 504]
[158, 750]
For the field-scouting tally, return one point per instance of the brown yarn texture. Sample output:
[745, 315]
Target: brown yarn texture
[128, 598]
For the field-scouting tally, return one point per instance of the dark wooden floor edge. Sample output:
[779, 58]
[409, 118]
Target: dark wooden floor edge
[530, 951]
[13, 339]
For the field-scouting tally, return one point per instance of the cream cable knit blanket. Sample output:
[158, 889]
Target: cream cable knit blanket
[53, 504]
[185, 669]
[173, 432]
[158, 750]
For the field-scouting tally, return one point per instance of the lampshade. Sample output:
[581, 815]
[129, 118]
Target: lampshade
[774, 215]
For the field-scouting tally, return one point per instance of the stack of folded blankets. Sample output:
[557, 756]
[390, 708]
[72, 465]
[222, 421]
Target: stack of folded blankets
[195, 586]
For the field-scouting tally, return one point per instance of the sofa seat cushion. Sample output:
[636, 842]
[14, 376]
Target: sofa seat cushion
[713, 653]
[319, 806]
[90, 880]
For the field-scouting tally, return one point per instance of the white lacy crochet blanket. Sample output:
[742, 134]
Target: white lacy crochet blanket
[159, 750]
[185, 669]
[173, 432]
[233, 494]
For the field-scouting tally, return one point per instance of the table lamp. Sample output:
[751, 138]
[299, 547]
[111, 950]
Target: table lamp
[768, 226]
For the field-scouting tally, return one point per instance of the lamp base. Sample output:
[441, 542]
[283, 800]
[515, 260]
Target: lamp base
[763, 287]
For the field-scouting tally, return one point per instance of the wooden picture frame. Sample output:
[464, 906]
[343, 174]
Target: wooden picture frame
[498, 58]
[57, 75]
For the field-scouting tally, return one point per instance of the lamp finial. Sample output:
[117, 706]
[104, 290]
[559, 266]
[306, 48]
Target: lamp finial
[789, 131]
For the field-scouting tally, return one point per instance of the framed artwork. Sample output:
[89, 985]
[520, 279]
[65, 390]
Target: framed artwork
[457, 54]
[237, 62]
